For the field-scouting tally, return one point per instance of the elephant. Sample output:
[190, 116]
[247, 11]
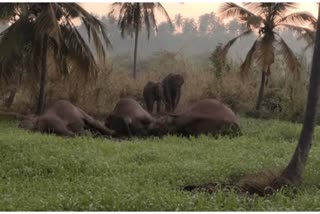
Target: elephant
[171, 85]
[207, 116]
[152, 92]
[62, 118]
[128, 119]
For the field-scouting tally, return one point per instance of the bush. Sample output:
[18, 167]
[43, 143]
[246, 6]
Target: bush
[284, 98]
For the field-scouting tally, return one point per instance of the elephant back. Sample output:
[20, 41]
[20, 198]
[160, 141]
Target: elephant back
[211, 108]
[129, 108]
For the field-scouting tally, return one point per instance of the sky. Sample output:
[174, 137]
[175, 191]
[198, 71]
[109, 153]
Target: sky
[188, 9]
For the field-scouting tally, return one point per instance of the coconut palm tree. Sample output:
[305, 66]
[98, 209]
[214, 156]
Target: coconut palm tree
[265, 19]
[46, 31]
[293, 172]
[178, 20]
[267, 181]
[133, 16]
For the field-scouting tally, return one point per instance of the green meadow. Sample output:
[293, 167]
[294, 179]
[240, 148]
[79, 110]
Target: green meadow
[50, 173]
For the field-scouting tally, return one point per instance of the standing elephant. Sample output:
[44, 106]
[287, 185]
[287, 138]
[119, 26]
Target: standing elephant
[171, 85]
[206, 116]
[128, 118]
[152, 92]
[62, 118]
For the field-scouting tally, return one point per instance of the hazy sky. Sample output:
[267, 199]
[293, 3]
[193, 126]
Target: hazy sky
[189, 9]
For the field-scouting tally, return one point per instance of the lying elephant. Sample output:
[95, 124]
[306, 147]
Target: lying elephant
[206, 116]
[62, 118]
[128, 118]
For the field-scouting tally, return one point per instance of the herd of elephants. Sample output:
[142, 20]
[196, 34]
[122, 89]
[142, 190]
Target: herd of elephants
[130, 119]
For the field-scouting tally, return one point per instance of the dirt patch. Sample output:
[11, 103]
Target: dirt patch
[263, 183]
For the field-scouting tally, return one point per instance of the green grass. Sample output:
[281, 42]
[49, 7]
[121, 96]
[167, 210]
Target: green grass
[46, 172]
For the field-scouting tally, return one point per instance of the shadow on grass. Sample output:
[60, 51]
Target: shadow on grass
[263, 183]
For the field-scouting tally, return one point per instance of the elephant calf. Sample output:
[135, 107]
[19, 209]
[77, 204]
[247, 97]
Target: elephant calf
[65, 119]
[206, 116]
[171, 85]
[128, 118]
[152, 93]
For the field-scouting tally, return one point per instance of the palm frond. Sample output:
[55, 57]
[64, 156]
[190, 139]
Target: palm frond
[46, 23]
[8, 11]
[77, 49]
[164, 12]
[301, 18]
[226, 48]
[246, 65]
[15, 37]
[94, 28]
[228, 10]
[309, 45]
[290, 59]
[304, 32]
[281, 8]
[146, 18]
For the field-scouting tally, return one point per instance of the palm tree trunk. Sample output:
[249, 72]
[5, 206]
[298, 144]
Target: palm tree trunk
[261, 90]
[135, 53]
[43, 79]
[9, 100]
[293, 172]
[268, 76]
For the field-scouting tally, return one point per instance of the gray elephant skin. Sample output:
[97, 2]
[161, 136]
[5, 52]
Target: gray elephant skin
[153, 93]
[171, 85]
[128, 119]
[63, 118]
[207, 116]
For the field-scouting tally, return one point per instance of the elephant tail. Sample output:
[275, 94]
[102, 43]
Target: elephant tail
[13, 115]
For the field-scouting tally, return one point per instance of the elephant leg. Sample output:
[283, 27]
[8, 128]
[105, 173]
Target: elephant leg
[167, 107]
[149, 104]
[128, 128]
[176, 100]
[172, 100]
[167, 98]
[158, 106]
[95, 125]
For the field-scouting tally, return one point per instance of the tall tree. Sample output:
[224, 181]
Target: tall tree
[265, 19]
[266, 181]
[189, 26]
[133, 16]
[178, 20]
[293, 172]
[38, 29]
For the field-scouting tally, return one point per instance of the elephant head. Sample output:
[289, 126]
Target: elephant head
[163, 125]
[28, 123]
[178, 80]
[119, 124]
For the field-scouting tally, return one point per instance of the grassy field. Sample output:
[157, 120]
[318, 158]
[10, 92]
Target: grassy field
[43, 172]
